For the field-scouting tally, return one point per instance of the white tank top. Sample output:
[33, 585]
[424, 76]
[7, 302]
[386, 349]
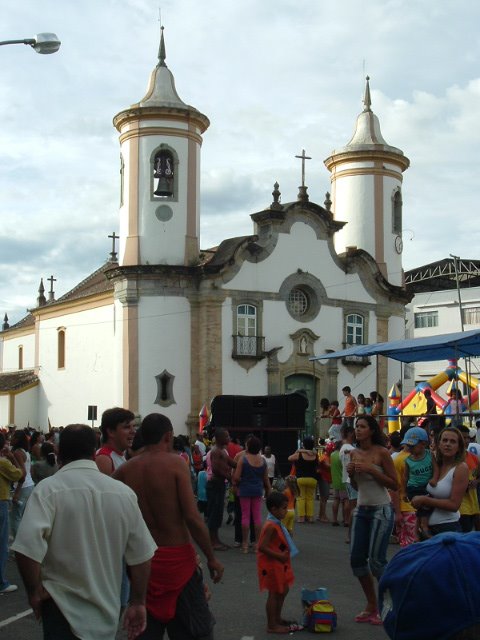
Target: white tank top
[442, 491]
[370, 492]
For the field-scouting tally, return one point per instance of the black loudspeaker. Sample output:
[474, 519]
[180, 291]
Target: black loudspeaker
[243, 412]
[277, 412]
[276, 420]
[283, 444]
[297, 404]
[92, 412]
[223, 411]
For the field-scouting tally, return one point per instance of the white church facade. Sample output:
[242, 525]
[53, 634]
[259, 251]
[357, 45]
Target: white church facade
[165, 326]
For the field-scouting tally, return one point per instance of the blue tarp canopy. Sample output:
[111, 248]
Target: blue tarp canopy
[442, 347]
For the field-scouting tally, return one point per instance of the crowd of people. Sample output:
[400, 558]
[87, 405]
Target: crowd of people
[164, 492]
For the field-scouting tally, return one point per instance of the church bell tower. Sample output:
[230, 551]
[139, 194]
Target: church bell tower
[160, 142]
[366, 178]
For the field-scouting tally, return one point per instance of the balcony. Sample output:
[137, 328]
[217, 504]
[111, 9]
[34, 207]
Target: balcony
[359, 361]
[248, 347]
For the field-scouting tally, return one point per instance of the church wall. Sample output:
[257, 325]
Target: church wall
[87, 376]
[118, 356]
[10, 352]
[301, 255]
[124, 208]
[355, 204]
[164, 345]
[391, 257]
[26, 408]
[4, 410]
[162, 242]
[301, 249]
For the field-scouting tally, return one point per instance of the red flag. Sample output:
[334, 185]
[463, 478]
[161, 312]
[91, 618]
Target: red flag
[203, 418]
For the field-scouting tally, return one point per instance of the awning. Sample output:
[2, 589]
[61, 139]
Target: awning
[441, 347]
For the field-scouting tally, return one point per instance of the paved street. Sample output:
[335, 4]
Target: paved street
[237, 604]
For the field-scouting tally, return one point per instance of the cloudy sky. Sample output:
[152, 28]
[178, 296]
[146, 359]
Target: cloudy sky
[273, 76]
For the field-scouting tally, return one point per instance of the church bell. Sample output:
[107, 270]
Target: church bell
[164, 188]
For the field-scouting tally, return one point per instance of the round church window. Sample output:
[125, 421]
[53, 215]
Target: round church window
[164, 213]
[298, 302]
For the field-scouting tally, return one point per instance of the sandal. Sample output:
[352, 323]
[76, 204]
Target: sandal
[295, 626]
[244, 548]
[375, 619]
[365, 616]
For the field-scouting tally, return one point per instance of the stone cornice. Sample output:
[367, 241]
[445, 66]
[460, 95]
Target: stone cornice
[187, 114]
[367, 155]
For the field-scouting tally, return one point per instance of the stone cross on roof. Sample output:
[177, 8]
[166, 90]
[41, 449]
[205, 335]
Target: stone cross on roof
[303, 157]
[113, 253]
[51, 294]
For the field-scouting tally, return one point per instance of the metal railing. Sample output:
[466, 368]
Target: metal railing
[248, 346]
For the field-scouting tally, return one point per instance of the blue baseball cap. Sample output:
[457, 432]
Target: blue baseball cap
[414, 436]
[430, 590]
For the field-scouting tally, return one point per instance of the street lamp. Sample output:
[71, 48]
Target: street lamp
[42, 42]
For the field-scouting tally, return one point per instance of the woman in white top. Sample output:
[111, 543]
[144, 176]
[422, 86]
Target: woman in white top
[24, 487]
[445, 497]
[372, 472]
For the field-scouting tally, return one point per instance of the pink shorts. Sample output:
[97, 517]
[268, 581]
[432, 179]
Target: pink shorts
[251, 506]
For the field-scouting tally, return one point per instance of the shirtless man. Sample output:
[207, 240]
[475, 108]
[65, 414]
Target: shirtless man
[176, 599]
[219, 470]
[118, 430]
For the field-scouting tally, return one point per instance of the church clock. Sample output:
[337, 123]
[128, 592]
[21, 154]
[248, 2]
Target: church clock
[398, 244]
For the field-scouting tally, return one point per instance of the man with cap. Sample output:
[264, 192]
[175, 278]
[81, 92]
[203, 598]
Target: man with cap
[420, 469]
[430, 590]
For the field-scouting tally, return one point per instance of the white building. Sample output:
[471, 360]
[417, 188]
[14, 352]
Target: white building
[168, 326]
[435, 308]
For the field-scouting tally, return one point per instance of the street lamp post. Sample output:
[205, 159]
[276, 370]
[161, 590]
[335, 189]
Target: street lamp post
[42, 43]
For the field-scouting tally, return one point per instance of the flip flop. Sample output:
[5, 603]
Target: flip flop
[375, 619]
[365, 616]
[295, 626]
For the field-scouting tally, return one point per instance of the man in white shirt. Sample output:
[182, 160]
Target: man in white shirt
[271, 461]
[201, 444]
[348, 437]
[78, 526]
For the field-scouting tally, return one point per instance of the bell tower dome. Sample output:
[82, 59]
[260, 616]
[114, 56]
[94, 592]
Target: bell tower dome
[160, 142]
[366, 178]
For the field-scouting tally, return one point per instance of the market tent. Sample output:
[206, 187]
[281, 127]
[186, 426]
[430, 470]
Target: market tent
[441, 347]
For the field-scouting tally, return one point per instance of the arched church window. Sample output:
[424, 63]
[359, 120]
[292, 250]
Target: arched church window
[246, 320]
[397, 212]
[354, 329]
[246, 337]
[20, 357]
[163, 173]
[61, 348]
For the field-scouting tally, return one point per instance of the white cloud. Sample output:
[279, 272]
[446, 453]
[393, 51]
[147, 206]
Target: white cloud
[273, 77]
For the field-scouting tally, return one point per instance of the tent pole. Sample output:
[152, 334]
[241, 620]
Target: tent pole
[456, 260]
